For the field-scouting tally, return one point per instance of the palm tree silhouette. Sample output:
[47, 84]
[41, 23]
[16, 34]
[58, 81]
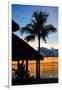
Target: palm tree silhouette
[38, 28]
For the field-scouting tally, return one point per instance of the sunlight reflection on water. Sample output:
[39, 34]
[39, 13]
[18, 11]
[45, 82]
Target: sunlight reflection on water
[48, 67]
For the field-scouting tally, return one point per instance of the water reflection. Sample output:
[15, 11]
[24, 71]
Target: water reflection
[48, 67]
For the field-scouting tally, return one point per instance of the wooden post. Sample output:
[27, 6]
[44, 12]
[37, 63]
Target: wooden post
[18, 64]
[26, 67]
[36, 68]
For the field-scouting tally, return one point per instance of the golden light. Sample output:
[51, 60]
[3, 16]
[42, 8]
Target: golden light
[46, 45]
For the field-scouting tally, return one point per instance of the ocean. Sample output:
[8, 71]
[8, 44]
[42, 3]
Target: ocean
[48, 67]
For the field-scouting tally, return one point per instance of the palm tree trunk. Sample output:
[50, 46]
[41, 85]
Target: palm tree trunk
[38, 62]
[36, 68]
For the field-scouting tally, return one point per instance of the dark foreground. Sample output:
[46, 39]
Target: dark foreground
[35, 81]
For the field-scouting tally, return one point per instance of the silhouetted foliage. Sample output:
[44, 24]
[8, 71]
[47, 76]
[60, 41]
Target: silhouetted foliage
[21, 75]
[15, 26]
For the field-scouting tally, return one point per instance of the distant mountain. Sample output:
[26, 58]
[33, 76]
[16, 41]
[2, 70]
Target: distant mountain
[49, 52]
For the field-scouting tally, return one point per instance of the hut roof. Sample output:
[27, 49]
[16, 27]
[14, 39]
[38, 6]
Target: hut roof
[22, 50]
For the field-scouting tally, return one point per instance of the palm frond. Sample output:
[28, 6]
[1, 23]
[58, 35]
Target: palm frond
[42, 35]
[30, 38]
[46, 31]
[49, 29]
[40, 17]
[27, 29]
[34, 22]
[44, 38]
[35, 15]
[34, 27]
[43, 16]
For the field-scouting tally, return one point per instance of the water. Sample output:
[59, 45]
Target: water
[48, 67]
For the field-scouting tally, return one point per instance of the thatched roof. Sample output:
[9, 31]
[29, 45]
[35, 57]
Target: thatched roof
[22, 50]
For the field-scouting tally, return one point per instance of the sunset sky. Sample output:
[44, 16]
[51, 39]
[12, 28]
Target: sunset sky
[22, 14]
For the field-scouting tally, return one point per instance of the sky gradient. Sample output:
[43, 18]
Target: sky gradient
[22, 14]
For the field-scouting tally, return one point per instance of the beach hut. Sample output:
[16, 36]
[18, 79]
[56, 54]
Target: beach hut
[23, 51]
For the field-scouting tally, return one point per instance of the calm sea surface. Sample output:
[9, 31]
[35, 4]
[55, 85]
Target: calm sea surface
[48, 67]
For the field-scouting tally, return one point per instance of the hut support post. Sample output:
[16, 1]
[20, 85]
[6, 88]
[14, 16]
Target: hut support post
[18, 64]
[26, 67]
[36, 68]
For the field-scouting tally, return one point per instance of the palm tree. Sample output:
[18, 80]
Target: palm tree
[38, 28]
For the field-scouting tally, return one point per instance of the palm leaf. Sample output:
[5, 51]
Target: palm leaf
[40, 17]
[35, 15]
[34, 27]
[43, 16]
[27, 29]
[34, 22]
[30, 38]
[46, 31]
[42, 35]
[49, 29]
